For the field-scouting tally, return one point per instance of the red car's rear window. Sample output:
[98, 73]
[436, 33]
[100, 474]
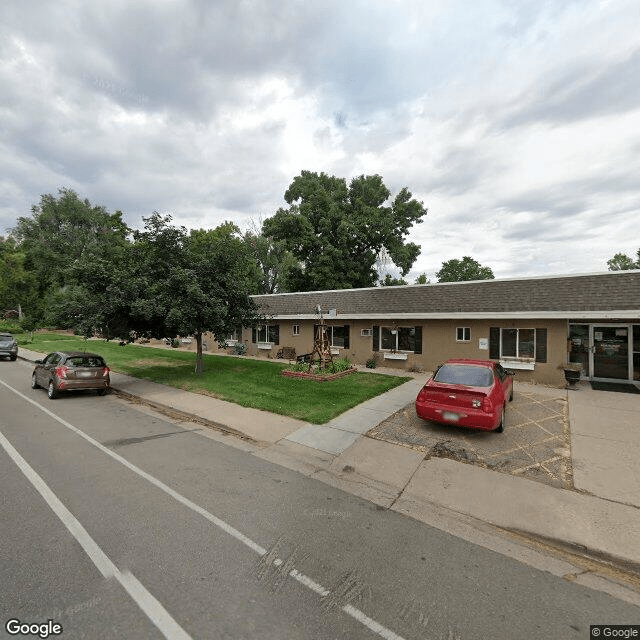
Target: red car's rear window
[467, 375]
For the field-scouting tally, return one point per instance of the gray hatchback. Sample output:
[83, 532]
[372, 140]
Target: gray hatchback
[69, 371]
[8, 346]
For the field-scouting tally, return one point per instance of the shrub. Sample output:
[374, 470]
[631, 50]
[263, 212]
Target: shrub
[372, 363]
[239, 349]
[28, 324]
[10, 326]
[342, 365]
[175, 343]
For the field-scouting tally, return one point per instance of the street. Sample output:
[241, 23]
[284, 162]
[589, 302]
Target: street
[120, 523]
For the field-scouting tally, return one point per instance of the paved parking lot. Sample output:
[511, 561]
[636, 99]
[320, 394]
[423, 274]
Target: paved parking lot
[535, 443]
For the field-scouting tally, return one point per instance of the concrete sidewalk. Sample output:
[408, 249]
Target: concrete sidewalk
[602, 518]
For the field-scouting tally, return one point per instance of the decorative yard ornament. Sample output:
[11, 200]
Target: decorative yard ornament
[321, 344]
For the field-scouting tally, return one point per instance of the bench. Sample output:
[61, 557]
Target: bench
[286, 353]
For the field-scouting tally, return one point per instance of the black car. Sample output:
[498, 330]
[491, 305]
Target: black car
[69, 371]
[8, 346]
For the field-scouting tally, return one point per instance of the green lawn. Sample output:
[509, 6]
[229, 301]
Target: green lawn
[247, 382]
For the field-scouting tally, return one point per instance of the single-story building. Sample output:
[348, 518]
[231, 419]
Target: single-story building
[533, 325]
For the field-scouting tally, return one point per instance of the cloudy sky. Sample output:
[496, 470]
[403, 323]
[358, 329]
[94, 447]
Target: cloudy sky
[516, 122]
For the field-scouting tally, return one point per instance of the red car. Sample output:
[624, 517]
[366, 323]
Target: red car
[467, 393]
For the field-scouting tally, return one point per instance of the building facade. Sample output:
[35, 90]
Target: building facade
[531, 325]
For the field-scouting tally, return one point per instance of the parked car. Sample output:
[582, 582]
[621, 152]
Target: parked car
[68, 371]
[8, 346]
[467, 393]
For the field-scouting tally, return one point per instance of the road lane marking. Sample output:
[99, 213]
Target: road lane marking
[160, 617]
[311, 584]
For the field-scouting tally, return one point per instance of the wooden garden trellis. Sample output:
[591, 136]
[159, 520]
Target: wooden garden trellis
[321, 345]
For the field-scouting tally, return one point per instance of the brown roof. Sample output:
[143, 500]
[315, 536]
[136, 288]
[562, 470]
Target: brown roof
[602, 292]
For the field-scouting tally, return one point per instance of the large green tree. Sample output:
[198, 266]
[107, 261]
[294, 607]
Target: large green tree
[466, 269]
[17, 286]
[623, 262]
[188, 284]
[336, 231]
[272, 260]
[63, 231]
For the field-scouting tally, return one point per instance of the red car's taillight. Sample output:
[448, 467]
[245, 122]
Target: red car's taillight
[61, 372]
[486, 405]
[105, 372]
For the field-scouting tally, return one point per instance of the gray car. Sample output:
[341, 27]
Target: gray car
[69, 371]
[8, 346]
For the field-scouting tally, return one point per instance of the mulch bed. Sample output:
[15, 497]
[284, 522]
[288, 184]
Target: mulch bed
[312, 376]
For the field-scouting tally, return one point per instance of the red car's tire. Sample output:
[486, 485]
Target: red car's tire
[52, 392]
[500, 427]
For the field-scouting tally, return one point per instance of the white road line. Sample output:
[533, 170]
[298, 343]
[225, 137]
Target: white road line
[152, 608]
[227, 528]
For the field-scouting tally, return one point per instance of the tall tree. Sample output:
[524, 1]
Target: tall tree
[65, 230]
[190, 284]
[622, 262]
[273, 262]
[336, 232]
[466, 269]
[17, 286]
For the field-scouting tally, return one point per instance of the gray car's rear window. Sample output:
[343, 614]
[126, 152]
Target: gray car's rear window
[467, 375]
[85, 361]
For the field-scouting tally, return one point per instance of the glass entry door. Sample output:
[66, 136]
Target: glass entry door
[611, 351]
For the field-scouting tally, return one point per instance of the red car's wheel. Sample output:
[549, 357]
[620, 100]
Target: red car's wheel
[500, 427]
[52, 392]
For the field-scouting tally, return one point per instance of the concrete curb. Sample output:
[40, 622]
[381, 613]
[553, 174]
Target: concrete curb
[183, 415]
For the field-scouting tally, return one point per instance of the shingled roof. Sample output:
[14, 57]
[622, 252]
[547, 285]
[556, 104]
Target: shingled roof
[600, 295]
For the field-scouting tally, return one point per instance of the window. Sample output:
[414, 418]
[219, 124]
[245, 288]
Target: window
[463, 334]
[365, 332]
[338, 335]
[397, 339]
[234, 336]
[266, 333]
[518, 344]
[295, 329]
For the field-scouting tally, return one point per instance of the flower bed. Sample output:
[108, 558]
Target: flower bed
[305, 375]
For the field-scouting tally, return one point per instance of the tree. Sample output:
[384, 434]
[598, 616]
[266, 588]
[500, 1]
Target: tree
[336, 232]
[273, 261]
[422, 279]
[190, 284]
[622, 262]
[65, 230]
[389, 281]
[465, 269]
[17, 286]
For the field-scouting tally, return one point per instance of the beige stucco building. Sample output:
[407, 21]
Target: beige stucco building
[531, 325]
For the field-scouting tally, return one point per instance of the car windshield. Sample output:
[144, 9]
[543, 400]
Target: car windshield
[6, 336]
[85, 361]
[467, 375]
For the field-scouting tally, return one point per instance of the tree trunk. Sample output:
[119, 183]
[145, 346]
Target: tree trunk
[199, 359]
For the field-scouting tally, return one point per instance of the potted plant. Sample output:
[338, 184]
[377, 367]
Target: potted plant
[572, 372]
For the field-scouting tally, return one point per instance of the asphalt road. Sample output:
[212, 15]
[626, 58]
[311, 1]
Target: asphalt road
[118, 523]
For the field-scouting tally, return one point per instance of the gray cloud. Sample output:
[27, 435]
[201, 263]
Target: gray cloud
[583, 91]
[208, 110]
